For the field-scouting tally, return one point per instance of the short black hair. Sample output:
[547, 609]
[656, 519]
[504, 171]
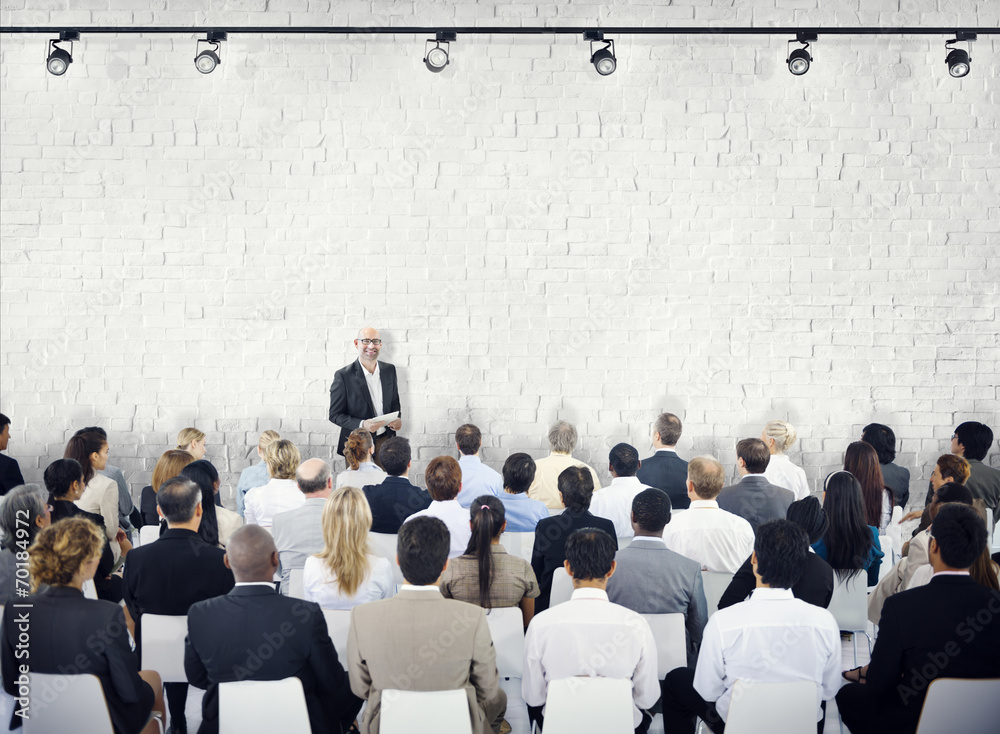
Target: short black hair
[781, 547]
[177, 499]
[518, 473]
[881, 438]
[60, 475]
[960, 534]
[954, 492]
[395, 456]
[977, 438]
[755, 454]
[809, 515]
[4, 421]
[624, 460]
[469, 439]
[422, 545]
[577, 488]
[93, 429]
[651, 510]
[590, 552]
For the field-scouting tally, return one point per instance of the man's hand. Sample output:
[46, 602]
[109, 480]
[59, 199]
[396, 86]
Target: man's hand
[911, 516]
[396, 424]
[371, 426]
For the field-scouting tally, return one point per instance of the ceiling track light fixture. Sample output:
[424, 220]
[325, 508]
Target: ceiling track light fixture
[436, 58]
[603, 59]
[959, 60]
[59, 59]
[800, 60]
[206, 61]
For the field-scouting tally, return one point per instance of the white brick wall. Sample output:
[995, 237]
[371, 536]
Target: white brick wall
[701, 232]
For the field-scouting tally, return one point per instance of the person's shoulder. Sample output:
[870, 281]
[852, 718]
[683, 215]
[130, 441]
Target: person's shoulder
[346, 370]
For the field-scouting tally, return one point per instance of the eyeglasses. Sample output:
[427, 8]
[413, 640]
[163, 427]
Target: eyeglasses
[366, 342]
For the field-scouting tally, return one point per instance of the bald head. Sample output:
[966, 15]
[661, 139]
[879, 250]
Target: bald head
[251, 554]
[368, 353]
[314, 478]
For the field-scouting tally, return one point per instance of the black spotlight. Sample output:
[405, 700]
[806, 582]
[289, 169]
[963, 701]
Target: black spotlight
[436, 58]
[59, 58]
[207, 60]
[603, 59]
[799, 60]
[959, 61]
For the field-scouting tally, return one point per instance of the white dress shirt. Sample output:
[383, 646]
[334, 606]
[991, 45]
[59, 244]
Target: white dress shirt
[100, 496]
[320, 584]
[366, 473]
[263, 503]
[455, 517]
[590, 636]
[477, 479]
[374, 380]
[783, 473]
[615, 503]
[718, 540]
[770, 638]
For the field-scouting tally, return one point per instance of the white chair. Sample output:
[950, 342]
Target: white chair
[671, 641]
[960, 704]
[885, 543]
[148, 533]
[562, 587]
[519, 544]
[89, 589]
[849, 606]
[263, 705]
[765, 708]
[67, 703]
[425, 712]
[163, 645]
[588, 705]
[507, 630]
[715, 583]
[338, 623]
[296, 587]
[384, 545]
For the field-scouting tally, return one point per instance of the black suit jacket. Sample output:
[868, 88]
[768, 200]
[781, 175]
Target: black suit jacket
[255, 633]
[394, 500]
[168, 576]
[756, 500]
[351, 403]
[815, 586]
[897, 478]
[103, 580]
[549, 551]
[667, 471]
[10, 474]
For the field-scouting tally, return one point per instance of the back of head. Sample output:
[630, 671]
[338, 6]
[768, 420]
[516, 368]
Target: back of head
[62, 549]
[4, 421]
[781, 547]
[267, 438]
[60, 475]
[313, 475]
[848, 539]
[562, 437]
[250, 550]
[487, 516]
[395, 456]
[422, 548]
[809, 515]
[882, 439]
[754, 453]
[282, 458]
[357, 448]
[954, 467]
[178, 499]
[347, 518]
[861, 460]
[954, 492]
[469, 439]
[624, 459]
[21, 508]
[169, 465]
[576, 485]
[977, 438]
[960, 534]
[669, 427]
[93, 429]
[204, 474]
[80, 447]
[651, 510]
[187, 436]
[518, 473]
[590, 552]
[443, 477]
[782, 432]
[707, 476]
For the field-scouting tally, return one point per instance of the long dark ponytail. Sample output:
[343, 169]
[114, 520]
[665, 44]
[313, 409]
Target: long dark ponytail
[487, 518]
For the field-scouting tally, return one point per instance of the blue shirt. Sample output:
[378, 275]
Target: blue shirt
[477, 479]
[253, 476]
[522, 512]
[872, 563]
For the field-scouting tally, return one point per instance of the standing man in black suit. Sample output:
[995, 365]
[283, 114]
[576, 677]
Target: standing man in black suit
[10, 472]
[179, 569]
[255, 633]
[665, 469]
[363, 390]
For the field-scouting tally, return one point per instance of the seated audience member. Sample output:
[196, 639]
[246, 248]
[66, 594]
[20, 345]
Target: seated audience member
[615, 501]
[179, 569]
[217, 523]
[23, 514]
[72, 633]
[815, 585]
[298, 533]
[716, 539]
[896, 478]
[948, 468]
[395, 499]
[168, 466]
[361, 467]
[477, 478]
[983, 570]
[10, 471]
[576, 487]
[486, 575]
[861, 461]
[972, 441]
[444, 482]
[193, 441]
[344, 573]
[665, 470]
[778, 436]
[125, 505]
[754, 498]
[100, 494]
[651, 579]
[221, 630]
[388, 639]
[562, 441]
[254, 475]
[280, 493]
[771, 638]
[570, 639]
[64, 480]
[921, 626]
[523, 513]
[850, 545]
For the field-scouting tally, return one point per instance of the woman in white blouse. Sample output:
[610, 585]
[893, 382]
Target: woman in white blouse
[346, 574]
[100, 494]
[779, 435]
[361, 470]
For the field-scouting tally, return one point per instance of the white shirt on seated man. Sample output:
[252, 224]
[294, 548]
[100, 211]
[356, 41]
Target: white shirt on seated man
[614, 502]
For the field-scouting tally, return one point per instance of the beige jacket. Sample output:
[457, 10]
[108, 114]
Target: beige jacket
[900, 574]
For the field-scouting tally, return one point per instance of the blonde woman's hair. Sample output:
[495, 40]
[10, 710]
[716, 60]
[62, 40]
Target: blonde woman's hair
[356, 449]
[347, 518]
[282, 458]
[187, 436]
[783, 433]
[169, 465]
[61, 549]
[267, 438]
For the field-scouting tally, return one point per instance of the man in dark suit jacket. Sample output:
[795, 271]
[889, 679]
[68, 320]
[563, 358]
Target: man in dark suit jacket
[395, 499]
[10, 472]
[754, 498]
[351, 397]
[576, 487]
[932, 631]
[255, 633]
[665, 469]
[171, 574]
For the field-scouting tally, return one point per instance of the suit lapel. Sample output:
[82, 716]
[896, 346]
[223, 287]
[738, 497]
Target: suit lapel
[359, 372]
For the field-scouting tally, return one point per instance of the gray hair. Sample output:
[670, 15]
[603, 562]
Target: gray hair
[28, 500]
[317, 483]
[669, 427]
[562, 437]
[177, 499]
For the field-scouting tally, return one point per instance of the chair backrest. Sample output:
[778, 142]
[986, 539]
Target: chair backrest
[715, 583]
[425, 712]
[263, 705]
[507, 630]
[518, 544]
[885, 543]
[338, 622]
[148, 533]
[960, 703]
[584, 705]
[671, 642]
[89, 589]
[67, 703]
[849, 605]
[163, 645]
[384, 545]
[562, 587]
[296, 587]
[765, 708]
